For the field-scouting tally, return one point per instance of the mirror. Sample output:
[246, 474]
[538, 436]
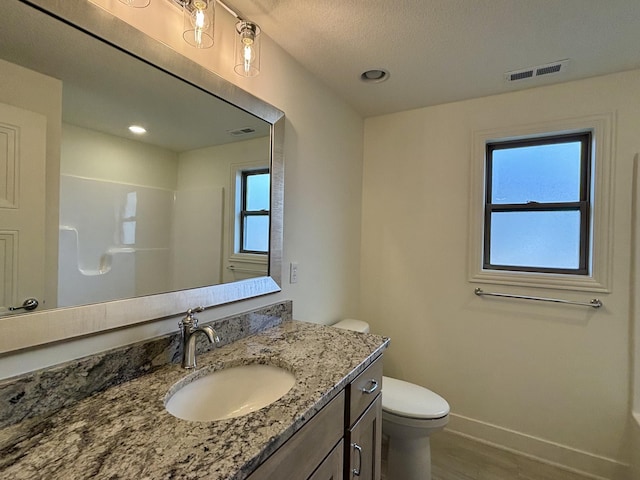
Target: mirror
[110, 223]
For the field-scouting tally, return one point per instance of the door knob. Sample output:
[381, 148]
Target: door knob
[28, 304]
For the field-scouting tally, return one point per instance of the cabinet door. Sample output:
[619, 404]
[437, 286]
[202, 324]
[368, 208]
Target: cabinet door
[331, 468]
[364, 444]
[300, 456]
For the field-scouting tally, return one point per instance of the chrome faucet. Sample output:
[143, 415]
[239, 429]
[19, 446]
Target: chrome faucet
[189, 328]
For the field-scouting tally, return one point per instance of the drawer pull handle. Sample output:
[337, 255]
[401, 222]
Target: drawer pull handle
[372, 388]
[357, 448]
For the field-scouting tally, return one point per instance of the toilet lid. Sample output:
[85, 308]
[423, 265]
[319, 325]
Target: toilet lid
[409, 400]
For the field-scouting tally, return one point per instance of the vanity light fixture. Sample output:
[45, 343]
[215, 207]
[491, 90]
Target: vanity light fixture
[198, 26]
[137, 129]
[247, 55]
[198, 18]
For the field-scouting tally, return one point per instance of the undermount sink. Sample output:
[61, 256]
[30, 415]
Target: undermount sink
[230, 392]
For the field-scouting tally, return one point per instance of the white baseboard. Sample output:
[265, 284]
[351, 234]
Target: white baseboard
[594, 466]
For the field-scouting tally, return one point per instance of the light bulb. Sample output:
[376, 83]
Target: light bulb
[198, 18]
[248, 57]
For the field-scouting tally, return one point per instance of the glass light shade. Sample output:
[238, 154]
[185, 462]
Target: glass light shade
[198, 20]
[136, 3]
[247, 57]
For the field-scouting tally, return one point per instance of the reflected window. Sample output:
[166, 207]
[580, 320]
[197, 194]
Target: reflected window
[128, 234]
[254, 213]
[538, 204]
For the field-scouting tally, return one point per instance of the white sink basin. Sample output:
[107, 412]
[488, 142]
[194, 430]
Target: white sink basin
[230, 392]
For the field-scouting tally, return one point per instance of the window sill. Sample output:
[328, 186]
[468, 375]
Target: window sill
[249, 258]
[540, 280]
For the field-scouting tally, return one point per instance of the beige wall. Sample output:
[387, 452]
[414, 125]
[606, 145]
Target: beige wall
[550, 380]
[323, 168]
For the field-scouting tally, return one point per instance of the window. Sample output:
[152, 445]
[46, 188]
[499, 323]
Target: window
[537, 205]
[540, 222]
[254, 212]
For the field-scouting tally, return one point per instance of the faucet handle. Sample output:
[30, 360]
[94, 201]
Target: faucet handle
[190, 320]
[193, 310]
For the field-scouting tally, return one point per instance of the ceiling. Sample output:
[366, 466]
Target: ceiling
[440, 51]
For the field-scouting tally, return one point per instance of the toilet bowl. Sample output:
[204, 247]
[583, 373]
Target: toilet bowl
[410, 414]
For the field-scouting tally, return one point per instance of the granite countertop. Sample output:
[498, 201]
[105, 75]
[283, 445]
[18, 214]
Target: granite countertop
[126, 433]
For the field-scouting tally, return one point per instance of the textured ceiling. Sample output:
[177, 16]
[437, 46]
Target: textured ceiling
[439, 51]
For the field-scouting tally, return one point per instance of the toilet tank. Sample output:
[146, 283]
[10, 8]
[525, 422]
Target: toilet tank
[353, 324]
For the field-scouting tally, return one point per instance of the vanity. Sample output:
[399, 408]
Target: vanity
[125, 431]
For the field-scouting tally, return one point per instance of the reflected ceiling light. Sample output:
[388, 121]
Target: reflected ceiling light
[137, 129]
[198, 27]
[375, 75]
[136, 3]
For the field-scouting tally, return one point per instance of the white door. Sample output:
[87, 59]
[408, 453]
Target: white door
[22, 205]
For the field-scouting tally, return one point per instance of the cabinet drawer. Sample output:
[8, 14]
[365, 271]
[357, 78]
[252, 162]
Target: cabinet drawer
[364, 389]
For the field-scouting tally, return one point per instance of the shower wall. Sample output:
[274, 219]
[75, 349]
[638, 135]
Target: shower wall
[114, 240]
[116, 216]
[136, 219]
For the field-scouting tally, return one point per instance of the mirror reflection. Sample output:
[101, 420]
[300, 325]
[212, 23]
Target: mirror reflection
[91, 211]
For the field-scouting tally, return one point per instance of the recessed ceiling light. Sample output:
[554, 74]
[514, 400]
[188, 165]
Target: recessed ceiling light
[375, 75]
[137, 129]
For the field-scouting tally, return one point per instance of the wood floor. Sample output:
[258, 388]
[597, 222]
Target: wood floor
[454, 457]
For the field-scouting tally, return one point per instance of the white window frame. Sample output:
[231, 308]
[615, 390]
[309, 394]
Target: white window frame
[235, 205]
[601, 241]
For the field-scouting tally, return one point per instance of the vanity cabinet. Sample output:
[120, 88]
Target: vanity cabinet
[341, 442]
[363, 434]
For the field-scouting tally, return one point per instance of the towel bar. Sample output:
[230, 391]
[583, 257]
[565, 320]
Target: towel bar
[595, 303]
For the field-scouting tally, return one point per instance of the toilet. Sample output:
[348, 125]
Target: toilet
[410, 414]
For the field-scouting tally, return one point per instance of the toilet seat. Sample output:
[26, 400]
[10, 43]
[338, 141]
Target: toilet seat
[409, 401]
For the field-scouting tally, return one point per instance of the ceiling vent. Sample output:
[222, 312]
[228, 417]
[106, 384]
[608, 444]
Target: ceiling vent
[539, 71]
[241, 131]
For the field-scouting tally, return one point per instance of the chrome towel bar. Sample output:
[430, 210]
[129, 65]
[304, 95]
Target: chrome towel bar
[233, 268]
[595, 303]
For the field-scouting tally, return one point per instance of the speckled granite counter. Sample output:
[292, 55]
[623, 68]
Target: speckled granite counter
[125, 432]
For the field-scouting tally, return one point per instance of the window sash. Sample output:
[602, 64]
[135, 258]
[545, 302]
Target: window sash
[244, 213]
[583, 206]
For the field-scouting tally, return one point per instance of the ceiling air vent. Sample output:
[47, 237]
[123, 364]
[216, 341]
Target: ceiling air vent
[241, 131]
[539, 71]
